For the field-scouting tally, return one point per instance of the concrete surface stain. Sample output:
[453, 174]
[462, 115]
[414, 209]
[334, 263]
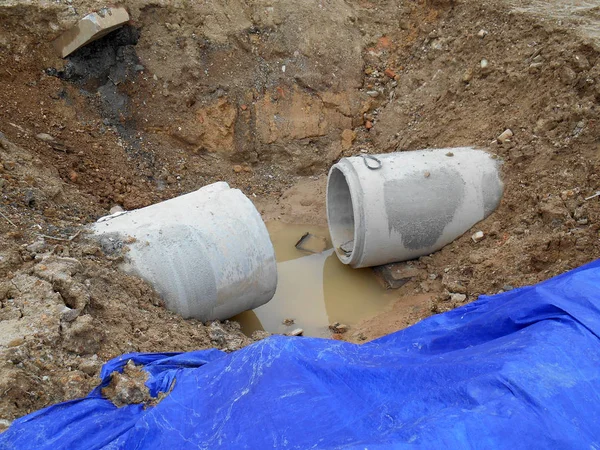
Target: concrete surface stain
[314, 289]
[410, 200]
[492, 192]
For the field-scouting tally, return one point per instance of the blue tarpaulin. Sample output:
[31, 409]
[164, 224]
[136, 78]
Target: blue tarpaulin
[516, 370]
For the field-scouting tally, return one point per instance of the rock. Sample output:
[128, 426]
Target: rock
[338, 328]
[390, 73]
[450, 154]
[90, 366]
[288, 322]
[457, 298]
[507, 287]
[296, 332]
[44, 137]
[456, 287]
[91, 27]
[348, 137]
[373, 94]
[535, 67]
[237, 168]
[482, 33]
[484, 64]
[116, 209]
[505, 136]
[368, 124]
[467, 76]
[476, 258]
[396, 275]
[477, 236]
[311, 243]
[73, 176]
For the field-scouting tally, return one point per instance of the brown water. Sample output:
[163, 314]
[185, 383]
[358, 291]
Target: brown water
[314, 289]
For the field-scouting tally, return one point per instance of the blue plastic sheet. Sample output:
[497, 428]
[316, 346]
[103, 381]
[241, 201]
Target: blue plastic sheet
[516, 370]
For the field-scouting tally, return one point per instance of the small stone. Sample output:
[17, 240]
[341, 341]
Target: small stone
[16, 342]
[396, 275]
[296, 332]
[433, 276]
[338, 328]
[116, 209]
[484, 64]
[467, 76]
[457, 298]
[373, 94]
[237, 168]
[456, 287]
[476, 258]
[288, 322]
[247, 169]
[427, 174]
[477, 236]
[390, 73]
[507, 287]
[482, 33]
[44, 137]
[139, 68]
[505, 136]
[535, 67]
[368, 124]
[450, 154]
[244, 107]
[73, 176]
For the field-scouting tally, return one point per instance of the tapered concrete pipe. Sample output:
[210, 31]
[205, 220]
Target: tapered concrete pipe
[207, 253]
[400, 206]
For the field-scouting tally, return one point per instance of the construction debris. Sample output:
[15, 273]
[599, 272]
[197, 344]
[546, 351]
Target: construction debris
[311, 243]
[91, 27]
[396, 275]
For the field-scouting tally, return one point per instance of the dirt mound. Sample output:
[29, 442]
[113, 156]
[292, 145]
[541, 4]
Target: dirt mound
[266, 96]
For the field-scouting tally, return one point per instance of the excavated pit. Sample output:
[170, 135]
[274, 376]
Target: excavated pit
[267, 97]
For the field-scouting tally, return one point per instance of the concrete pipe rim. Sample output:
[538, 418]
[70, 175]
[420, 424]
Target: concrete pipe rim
[343, 212]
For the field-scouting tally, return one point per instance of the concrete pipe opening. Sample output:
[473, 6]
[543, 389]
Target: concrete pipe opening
[340, 214]
[409, 204]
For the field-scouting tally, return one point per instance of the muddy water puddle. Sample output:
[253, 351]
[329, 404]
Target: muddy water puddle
[314, 290]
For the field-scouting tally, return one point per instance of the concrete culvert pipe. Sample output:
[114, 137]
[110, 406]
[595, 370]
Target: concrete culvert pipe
[207, 253]
[400, 206]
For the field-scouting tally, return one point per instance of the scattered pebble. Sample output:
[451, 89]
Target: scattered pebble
[338, 328]
[427, 174]
[373, 94]
[478, 236]
[505, 136]
[390, 73]
[368, 124]
[458, 298]
[450, 154]
[467, 76]
[296, 332]
[116, 209]
[237, 168]
[482, 33]
[44, 137]
[288, 322]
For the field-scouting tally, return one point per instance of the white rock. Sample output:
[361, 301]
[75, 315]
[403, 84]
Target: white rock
[373, 93]
[484, 63]
[477, 236]
[44, 137]
[505, 136]
[482, 33]
[116, 209]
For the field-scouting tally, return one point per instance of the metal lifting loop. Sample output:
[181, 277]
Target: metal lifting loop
[372, 167]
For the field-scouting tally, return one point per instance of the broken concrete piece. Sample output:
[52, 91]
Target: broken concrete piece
[396, 275]
[505, 136]
[91, 27]
[311, 243]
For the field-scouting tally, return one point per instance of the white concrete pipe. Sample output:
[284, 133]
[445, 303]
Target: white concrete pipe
[207, 253]
[400, 206]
